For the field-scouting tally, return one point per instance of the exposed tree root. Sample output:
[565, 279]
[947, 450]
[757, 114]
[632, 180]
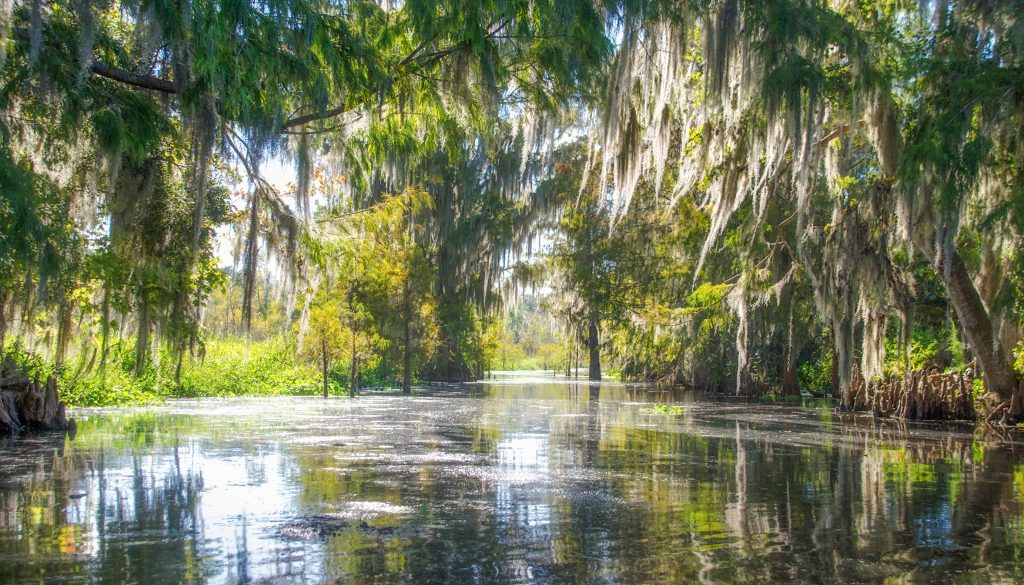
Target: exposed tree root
[921, 395]
[27, 404]
[1009, 411]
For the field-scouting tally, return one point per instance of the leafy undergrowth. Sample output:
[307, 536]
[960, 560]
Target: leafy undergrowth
[234, 367]
[230, 367]
[114, 387]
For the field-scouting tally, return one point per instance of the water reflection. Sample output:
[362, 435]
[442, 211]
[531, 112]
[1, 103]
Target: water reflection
[75, 513]
[545, 480]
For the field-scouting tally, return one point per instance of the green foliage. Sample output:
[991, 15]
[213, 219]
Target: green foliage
[239, 367]
[922, 352]
[374, 301]
[322, 345]
[33, 365]
[125, 126]
[531, 338]
[119, 385]
[468, 343]
[707, 302]
[978, 388]
[956, 348]
[816, 374]
[230, 367]
[1018, 363]
[674, 409]
[146, 112]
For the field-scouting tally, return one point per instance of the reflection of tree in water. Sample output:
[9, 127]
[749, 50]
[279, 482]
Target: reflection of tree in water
[77, 516]
[601, 491]
[468, 521]
[359, 546]
[872, 502]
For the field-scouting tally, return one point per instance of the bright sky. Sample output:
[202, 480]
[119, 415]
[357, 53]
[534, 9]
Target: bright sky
[279, 173]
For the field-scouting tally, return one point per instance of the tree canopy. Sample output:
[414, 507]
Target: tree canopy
[760, 184]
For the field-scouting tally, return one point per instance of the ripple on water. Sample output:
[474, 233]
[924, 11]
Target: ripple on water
[337, 518]
[517, 483]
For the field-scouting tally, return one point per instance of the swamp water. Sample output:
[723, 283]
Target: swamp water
[515, 480]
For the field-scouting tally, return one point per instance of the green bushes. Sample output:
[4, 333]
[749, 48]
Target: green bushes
[229, 367]
[1018, 363]
[115, 386]
[33, 365]
[236, 367]
[815, 375]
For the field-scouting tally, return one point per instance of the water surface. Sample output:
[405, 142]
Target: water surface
[519, 480]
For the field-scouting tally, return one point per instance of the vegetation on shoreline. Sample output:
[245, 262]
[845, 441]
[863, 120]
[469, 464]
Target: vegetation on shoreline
[229, 367]
[748, 196]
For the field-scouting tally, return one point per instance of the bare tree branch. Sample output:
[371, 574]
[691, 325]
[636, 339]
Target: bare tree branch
[141, 81]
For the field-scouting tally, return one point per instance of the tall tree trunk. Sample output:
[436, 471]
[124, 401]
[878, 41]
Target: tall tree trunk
[1000, 379]
[85, 356]
[842, 355]
[63, 333]
[790, 384]
[407, 340]
[88, 359]
[836, 391]
[177, 367]
[104, 333]
[142, 335]
[407, 361]
[568, 360]
[594, 345]
[977, 324]
[323, 361]
[251, 259]
[203, 138]
[27, 329]
[352, 379]
[3, 316]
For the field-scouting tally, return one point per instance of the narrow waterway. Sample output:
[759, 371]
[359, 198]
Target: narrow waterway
[514, 480]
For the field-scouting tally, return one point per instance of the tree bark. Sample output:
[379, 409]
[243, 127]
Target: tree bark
[251, 260]
[594, 345]
[63, 333]
[568, 360]
[3, 316]
[323, 361]
[142, 336]
[790, 383]
[1000, 380]
[104, 333]
[836, 391]
[352, 379]
[141, 81]
[407, 345]
[28, 403]
[177, 368]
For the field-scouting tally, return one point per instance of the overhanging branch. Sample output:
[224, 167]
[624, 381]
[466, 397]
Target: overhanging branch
[301, 120]
[141, 81]
[150, 82]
